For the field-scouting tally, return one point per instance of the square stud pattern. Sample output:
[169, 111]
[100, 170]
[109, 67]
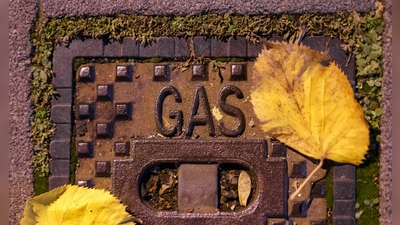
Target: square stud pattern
[124, 73]
[103, 168]
[299, 169]
[121, 148]
[86, 74]
[123, 111]
[199, 72]
[105, 92]
[238, 72]
[85, 150]
[318, 190]
[299, 209]
[161, 73]
[85, 111]
[278, 149]
[86, 183]
[104, 130]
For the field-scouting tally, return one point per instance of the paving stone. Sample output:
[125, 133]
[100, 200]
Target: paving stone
[238, 72]
[199, 72]
[344, 220]
[166, 47]
[219, 48]
[103, 169]
[181, 47]
[123, 111]
[344, 172]
[63, 96]
[344, 190]
[63, 58]
[198, 188]
[237, 47]
[253, 49]
[148, 50]
[61, 113]
[84, 149]
[112, 48]
[59, 167]
[60, 149]
[344, 208]
[121, 148]
[63, 131]
[130, 47]
[105, 92]
[57, 181]
[161, 73]
[124, 73]
[202, 46]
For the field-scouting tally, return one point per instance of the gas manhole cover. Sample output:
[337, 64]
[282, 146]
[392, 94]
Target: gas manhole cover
[170, 139]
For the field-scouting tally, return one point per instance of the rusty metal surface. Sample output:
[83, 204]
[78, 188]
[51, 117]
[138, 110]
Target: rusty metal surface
[119, 105]
[271, 181]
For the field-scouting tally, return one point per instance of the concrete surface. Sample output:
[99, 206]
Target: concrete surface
[23, 15]
[60, 8]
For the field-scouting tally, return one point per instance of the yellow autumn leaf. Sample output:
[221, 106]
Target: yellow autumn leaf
[308, 106]
[244, 187]
[73, 205]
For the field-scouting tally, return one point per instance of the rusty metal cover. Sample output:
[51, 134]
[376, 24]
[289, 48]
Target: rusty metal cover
[131, 116]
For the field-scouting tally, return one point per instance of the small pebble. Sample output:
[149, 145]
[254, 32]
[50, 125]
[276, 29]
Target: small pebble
[375, 201]
[367, 202]
[357, 205]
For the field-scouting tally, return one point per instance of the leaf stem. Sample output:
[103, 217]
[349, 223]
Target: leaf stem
[292, 196]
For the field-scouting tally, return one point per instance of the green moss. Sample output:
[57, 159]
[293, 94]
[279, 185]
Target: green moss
[361, 34]
[41, 185]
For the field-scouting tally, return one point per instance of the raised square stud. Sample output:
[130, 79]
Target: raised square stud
[86, 74]
[299, 209]
[103, 168]
[121, 148]
[104, 130]
[85, 149]
[123, 111]
[299, 169]
[124, 73]
[161, 73]
[85, 111]
[105, 92]
[278, 149]
[318, 190]
[238, 72]
[199, 72]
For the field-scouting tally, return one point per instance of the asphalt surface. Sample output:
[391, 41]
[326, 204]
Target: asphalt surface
[23, 15]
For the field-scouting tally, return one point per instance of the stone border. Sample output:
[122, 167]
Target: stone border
[170, 47]
[62, 8]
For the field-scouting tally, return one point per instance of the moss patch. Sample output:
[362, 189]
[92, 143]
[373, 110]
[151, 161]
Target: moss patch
[361, 34]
